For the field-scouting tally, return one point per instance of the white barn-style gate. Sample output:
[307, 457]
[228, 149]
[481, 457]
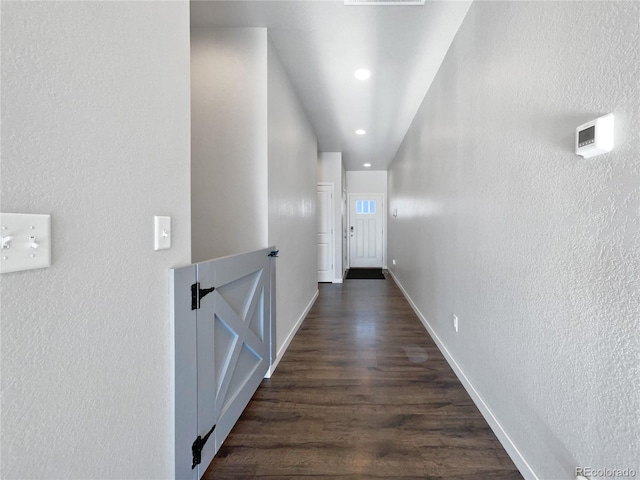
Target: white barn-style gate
[223, 328]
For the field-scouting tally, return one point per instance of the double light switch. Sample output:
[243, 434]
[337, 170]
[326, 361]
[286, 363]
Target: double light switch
[25, 242]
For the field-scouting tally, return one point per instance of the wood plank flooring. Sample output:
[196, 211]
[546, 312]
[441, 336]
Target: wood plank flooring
[362, 393]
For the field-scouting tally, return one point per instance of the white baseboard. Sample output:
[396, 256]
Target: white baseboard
[292, 334]
[511, 449]
[337, 280]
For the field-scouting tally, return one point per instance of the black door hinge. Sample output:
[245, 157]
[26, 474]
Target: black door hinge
[197, 447]
[197, 294]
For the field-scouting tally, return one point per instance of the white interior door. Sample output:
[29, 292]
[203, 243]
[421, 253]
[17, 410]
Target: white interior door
[365, 231]
[326, 238]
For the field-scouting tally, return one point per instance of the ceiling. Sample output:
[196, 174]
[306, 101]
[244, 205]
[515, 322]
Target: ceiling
[321, 43]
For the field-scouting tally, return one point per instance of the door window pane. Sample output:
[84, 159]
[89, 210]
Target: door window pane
[365, 207]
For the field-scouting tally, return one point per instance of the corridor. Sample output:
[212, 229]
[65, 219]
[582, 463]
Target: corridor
[363, 393]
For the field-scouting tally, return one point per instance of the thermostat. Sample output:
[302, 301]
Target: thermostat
[595, 137]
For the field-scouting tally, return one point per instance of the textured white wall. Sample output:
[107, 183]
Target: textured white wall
[229, 141]
[534, 248]
[95, 131]
[293, 156]
[330, 169]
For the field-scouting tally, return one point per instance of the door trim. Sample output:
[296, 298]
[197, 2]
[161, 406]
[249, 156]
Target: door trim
[384, 226]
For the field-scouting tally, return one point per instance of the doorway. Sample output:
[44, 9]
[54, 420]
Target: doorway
[365, 230]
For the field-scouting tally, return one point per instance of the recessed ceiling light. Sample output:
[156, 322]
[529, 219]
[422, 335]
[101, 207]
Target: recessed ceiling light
[360, 132]
[367, 164]
[362, 74]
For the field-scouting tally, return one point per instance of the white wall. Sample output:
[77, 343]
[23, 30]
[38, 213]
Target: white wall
[293, 153]
[95, 131]
[254, 164]
[534, 248]
[374, 181]
[330, 169]
[229, 141]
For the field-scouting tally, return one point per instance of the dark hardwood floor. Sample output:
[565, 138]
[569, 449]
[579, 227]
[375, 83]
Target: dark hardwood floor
[362, 393]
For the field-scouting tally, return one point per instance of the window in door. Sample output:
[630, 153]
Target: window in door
[365, 207]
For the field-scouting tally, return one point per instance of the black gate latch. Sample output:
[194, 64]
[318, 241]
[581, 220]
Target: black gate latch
[197, 294]
[197, 447]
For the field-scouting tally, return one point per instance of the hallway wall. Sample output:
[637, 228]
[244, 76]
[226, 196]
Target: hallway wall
[536, 250]
[229, 177]
[254, 164]
[293, 155]
[95, 132]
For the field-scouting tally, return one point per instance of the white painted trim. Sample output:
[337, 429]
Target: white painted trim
[284, 347]
[512, 450]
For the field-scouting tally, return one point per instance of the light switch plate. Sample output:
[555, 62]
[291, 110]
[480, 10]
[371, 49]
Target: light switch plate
[26, 242]
[162, 233]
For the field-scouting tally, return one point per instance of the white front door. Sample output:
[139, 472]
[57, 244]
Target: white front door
[325, 232]
[365, 231]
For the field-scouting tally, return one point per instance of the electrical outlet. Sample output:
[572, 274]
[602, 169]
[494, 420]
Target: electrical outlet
[393, 261]
[455, 322]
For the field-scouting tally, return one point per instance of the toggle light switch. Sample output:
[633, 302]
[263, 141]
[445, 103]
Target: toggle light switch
[32, 242]
[6, 242]
[162, 233]
[26, 242]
